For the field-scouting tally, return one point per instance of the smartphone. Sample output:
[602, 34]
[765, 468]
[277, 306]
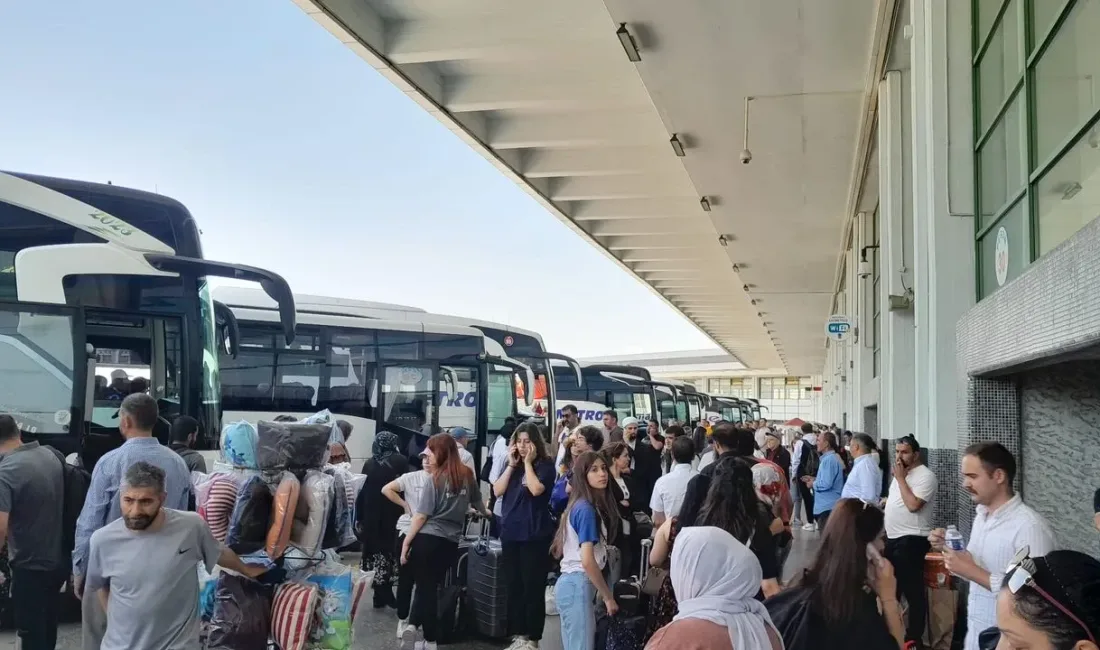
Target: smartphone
[873, 556]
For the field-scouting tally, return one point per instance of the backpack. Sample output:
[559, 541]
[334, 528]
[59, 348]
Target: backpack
[790, 611]
[811, 460]
[76, 481]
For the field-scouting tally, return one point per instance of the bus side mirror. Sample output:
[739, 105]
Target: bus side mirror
[229, 333]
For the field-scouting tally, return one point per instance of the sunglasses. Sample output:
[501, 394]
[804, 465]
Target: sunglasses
[1021, 573]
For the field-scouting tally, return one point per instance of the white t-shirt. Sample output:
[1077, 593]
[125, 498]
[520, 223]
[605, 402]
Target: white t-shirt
[669, 490]
[500, 463]
[411, 485]
[899, 521]
[467, 459]
[582, 525]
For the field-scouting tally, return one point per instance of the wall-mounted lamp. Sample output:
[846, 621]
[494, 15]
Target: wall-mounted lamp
[677, 146]
[628, 42]
[705, 204]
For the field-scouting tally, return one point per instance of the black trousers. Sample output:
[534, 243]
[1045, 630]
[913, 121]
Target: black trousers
[526, 565]
[35, 604]
[404, 583]
[823, 520]
[907, 555]
[431, 558]
[807, 500]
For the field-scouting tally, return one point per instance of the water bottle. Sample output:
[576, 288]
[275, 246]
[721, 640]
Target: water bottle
[953, 539]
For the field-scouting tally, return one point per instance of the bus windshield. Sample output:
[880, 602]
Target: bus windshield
[37, 370]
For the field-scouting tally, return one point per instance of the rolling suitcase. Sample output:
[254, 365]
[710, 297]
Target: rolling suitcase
[487, 586]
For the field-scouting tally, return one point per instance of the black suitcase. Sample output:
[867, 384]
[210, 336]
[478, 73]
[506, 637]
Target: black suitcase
[487, 586]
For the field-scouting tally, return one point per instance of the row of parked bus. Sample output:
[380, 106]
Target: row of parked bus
[105, 290]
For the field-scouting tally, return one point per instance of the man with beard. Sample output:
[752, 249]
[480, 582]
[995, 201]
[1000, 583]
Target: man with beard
[137, 415]
[909, 511]
[142, 567]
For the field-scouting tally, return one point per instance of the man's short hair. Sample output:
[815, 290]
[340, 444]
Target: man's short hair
[725, 435]
[683, 449]
[654, 421]
[994, 456]
[612, 413]
[8, 428]
[144, 475]
[910, 441]
[569, 408]
[865, 442]
[807, 427]
[745, 442]
[183, 427]
[345, 428]
[675, 430]
[142, 408]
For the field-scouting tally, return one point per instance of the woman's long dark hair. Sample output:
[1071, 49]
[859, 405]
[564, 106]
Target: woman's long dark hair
[533, 433]
[731, 503]
[601, 500]
[838, 575]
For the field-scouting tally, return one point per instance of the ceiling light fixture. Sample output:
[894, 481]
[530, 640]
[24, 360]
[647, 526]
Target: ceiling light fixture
[705, 203]
[629, 44]
[746, 154]
[677, 146]
[723, 241]
[737, 269]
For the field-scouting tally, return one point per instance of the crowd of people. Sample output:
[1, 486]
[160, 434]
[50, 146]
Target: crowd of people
[696, 527]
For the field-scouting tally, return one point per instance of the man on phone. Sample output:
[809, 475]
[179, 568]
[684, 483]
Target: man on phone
[909, 511]
[570, 420]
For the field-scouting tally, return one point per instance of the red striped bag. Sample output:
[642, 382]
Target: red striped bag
[220, 504]
[292, 614]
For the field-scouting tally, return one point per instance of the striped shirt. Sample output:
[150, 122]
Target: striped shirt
[995, 539]
[102, 506]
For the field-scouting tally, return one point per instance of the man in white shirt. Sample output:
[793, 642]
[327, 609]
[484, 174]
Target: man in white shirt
[668, 492]
[1003, 525]
[462, 436]
[865, 480]
[909, 510]
[570, 420]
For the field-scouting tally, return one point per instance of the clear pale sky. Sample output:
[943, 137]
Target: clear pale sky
[294, 155]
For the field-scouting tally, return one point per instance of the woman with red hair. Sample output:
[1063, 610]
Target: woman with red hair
[439, 514]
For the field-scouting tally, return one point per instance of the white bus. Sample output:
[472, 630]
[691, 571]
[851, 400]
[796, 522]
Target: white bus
[520, 345]
[406, 377]
[103, 291]
[628, 390]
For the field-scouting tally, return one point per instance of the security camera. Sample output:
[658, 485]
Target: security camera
[746, 156]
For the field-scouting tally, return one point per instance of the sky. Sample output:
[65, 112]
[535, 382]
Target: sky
[294, 155]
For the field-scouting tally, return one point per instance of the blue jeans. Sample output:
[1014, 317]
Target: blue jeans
[575, 597]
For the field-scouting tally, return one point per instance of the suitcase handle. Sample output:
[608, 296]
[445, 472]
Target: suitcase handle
[647, 545]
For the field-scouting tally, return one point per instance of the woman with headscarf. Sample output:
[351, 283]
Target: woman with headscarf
[376, 517]
[715, 578]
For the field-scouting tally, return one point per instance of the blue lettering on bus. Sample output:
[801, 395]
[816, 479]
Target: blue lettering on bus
[586, 416]
[460, 399]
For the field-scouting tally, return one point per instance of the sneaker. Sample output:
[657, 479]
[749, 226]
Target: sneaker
[402, 628]
[518, 643]
[425, 645]
[532, 645]
[809, 527]
[796, 523]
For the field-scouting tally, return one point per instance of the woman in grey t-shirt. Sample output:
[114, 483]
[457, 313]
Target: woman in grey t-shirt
[439, 514]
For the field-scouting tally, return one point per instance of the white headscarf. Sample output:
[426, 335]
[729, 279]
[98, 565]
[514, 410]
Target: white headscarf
[715, 578]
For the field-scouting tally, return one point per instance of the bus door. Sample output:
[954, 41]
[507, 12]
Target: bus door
[134, 353]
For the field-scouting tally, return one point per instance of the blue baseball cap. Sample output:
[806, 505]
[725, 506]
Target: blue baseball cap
[460, 433]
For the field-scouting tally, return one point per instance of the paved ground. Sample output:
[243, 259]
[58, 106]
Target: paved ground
[376, 629]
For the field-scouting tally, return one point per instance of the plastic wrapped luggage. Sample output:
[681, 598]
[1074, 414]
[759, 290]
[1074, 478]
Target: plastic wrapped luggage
[292, 445]
[487, 586]
[251, 517]
[242, 614]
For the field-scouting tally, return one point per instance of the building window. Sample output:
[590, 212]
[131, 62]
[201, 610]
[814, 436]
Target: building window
[785, 398]
[1037, 119]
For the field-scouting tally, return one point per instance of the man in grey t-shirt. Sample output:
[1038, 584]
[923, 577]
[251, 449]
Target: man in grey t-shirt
[143, 568]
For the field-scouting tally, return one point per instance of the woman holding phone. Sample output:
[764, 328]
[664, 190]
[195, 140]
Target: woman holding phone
[850, 588]
[526, 530]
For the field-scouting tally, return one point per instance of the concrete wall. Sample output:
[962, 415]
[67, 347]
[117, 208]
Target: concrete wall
[1060, 429]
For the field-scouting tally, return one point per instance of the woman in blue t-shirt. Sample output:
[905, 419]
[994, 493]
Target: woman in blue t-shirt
[526, 531]
[581, 543]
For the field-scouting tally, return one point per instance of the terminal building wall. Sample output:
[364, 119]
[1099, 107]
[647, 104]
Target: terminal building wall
[983, 329]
